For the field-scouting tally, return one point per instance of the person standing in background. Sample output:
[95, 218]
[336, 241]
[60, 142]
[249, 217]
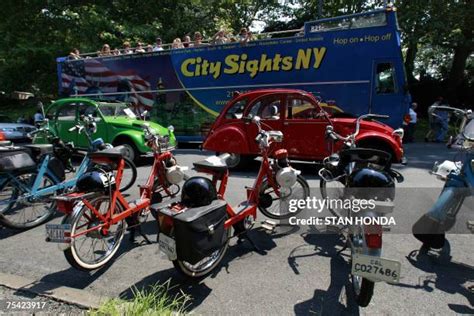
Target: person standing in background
[38, 118]
[410, 137]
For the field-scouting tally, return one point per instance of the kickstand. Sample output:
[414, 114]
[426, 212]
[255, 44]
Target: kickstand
[343, 248]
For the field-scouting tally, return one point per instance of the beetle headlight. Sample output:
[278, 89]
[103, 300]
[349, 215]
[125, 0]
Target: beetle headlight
[171, 128]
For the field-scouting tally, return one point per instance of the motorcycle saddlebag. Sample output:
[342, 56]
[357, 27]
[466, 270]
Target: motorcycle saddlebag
[15, 158]
[200, 231]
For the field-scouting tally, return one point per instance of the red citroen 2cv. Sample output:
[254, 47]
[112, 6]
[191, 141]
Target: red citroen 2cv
[301, 118]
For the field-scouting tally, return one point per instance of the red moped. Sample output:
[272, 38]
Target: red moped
[196, 239]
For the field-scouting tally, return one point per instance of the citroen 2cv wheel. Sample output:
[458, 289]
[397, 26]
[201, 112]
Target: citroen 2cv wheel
[129, 175]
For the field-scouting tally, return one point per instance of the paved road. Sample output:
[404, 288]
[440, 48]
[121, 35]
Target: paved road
[21, 303]
[300, 273]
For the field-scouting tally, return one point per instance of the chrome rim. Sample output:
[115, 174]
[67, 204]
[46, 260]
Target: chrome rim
[281, 203]
[23, 209]
[233, 160]
[96, 247]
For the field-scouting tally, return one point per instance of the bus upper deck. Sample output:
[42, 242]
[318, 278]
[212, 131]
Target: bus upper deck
[353, 61]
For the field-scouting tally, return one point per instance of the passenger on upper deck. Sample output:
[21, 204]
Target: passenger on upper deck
[177, 43]
[105, 51]
[74, 54]
[245, 36]
[126, 48]
[157, 47]
[186, 40]
[220, 38]
[139, 48]
[197, 40]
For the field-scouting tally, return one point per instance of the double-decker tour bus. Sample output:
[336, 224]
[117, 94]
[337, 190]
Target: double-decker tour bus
[352, 62]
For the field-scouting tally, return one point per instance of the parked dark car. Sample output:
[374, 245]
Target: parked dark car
[15, 132]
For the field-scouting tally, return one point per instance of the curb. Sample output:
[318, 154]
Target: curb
[81, 298]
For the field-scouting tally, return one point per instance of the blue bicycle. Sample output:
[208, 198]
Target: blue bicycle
[32, 175]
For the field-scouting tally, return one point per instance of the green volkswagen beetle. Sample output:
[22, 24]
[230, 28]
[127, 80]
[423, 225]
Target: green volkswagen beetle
[116, 124]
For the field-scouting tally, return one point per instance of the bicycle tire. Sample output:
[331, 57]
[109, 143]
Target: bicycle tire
[363, 295]
[185, 268]
[304, 186]
[72, 254]
[324, 193]
[14, 205]
[124, 186]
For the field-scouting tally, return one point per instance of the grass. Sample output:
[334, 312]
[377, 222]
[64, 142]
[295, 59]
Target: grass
[155, 300]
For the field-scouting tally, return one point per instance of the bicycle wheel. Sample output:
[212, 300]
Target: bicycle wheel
[20, 210]
[206, 265]
[363, 290]
[129, 175]
[7, 192]
[93, 249]
[280, 209]
[333, 191]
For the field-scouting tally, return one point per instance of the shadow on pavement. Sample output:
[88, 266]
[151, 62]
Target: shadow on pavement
[337, 299]
[197, 289]
[74, 278]
[423, 155]
[443, 274]
[6, 232]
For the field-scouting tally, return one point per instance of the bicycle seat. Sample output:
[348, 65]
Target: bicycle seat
[365, 155]
[37, 150]
[213, 163]
[14, 159]
[116, 152]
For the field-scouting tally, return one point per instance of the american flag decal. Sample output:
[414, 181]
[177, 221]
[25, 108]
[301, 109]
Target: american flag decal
[90, 76]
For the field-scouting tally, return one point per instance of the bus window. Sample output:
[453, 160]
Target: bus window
[237, 110]
[267, 108]
[385, 79]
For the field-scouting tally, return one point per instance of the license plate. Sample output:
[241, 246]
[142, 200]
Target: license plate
[60, 233]
[167, 246]
[376, 268]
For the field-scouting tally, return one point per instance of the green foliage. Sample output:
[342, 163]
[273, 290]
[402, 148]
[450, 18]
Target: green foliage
[437, 35]
[155, 300]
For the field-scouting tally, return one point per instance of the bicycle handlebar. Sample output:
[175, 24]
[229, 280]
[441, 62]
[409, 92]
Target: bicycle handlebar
[351, 137]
